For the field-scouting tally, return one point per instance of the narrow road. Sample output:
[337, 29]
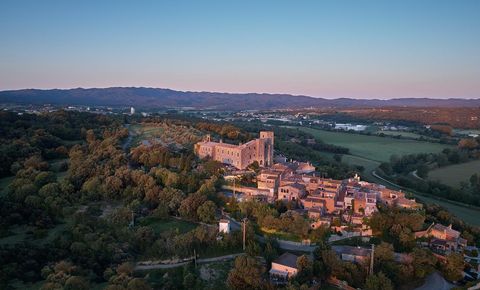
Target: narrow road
[414, 173]
[435, 282]
[199, 261]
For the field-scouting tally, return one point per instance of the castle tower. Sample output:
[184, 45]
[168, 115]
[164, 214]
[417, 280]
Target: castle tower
[268, 141]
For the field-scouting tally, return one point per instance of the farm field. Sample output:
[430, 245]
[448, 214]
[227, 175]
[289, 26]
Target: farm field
[376, 148]
[410, 135]
[452, 175]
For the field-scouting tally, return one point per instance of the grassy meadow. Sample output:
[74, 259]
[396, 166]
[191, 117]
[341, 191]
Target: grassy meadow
[452, 175]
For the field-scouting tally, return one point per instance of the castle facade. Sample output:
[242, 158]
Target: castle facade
[239, 156]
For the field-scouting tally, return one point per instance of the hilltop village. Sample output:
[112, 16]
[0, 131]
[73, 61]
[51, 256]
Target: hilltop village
[298, 183]
[342, 206]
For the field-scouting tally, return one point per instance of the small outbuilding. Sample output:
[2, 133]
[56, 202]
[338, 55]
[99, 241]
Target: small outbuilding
[224, 226]
[284, 268]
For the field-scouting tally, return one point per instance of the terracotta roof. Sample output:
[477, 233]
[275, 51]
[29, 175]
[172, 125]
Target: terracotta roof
[296, 185]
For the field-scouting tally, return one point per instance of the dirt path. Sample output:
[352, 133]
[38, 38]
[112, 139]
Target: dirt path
[199, 261]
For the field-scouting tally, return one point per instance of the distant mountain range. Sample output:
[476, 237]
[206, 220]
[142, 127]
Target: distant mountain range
[166, 98]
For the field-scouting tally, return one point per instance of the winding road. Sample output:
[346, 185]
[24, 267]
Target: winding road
[435, 282]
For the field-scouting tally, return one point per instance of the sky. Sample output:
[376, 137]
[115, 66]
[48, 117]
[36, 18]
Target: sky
[331, 49]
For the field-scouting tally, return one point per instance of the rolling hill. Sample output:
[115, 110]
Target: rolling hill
[167, 98]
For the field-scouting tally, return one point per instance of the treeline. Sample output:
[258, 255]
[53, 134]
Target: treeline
[456, 117]
[46, 135]
[399, 170]
[438, 189]
[423, 162]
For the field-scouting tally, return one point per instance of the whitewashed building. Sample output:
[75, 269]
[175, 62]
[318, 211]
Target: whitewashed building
[224, 226]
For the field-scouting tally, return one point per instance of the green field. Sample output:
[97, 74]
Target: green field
[452, 175]
[373, 147]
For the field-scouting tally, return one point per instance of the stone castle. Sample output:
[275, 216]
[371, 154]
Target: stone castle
[242, 155]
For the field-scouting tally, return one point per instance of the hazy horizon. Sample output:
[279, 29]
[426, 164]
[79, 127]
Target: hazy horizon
[222, 92]
[323, 49]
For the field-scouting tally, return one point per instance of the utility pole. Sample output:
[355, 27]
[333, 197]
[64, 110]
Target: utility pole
[195, 258]
[132, 222]
[235, 178]
[244, 232]
[371, 259]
